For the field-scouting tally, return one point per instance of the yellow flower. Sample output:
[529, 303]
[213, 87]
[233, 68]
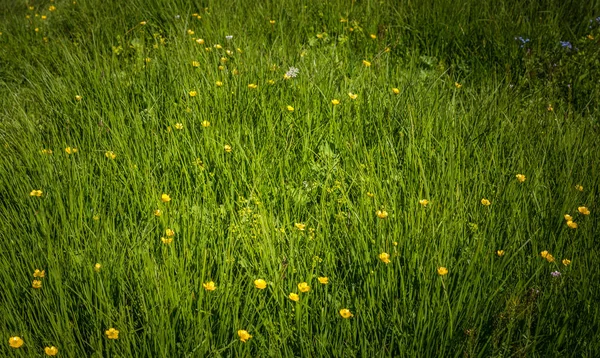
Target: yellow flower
[300, 226]
[166, 240]
[15, 342]
[218, 47]
[290, 108]
[352, 95]
[566, 262]
[227, 148]
[303, 287]
[96, 217]
[442, 271]
[590, 37]
[179, 126]
[319, 36]
[112, 333]
[373, 36]
[323, 280]
[395, 90]
[209, 286]
[568, 217]
[193, 93]
[38, 273]
[521, 178]
[335, 102]
[385, 257]
[294, 297]
[485, 202]
[260, 284]
[572, 224]
[46, 151]
[579, 187]
[165, 198]
[366, 63]
[195, 64]
[423, 202]
[51, 351]
[70, 150]
[344, 312]
[500, 253]
[97, 267]
[205, 124]
[370, 195]
[244, 335]
[170, 233]
[148, 59]
[382, 214]
[271, 82]
[457, 85]
[583, 210]
[143, 23]
[157, 212]
[190, 32]
[223, 59]
[219, 83]
[36, 284]
[44, 17]
[550, 108]
[52, 8]
[545, 254]
[110, 155]
[37, 193]
[200, 41]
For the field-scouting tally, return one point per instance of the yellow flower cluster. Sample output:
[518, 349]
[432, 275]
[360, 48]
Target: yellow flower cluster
[583, 210]
[38, 275]
[548, 256]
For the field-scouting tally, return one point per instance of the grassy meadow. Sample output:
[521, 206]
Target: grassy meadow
[198, 178]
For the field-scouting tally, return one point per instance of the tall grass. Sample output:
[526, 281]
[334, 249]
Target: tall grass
[473, 111]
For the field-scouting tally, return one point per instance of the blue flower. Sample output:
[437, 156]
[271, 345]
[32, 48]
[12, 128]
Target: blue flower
[523, 41]
[566, 44]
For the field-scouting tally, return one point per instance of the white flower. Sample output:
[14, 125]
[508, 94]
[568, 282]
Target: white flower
[292, 72]
[228, 37]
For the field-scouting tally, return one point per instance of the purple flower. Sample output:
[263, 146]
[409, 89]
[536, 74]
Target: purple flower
[566, 44]
[555, 274]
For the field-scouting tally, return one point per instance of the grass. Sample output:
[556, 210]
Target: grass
[474, 109]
